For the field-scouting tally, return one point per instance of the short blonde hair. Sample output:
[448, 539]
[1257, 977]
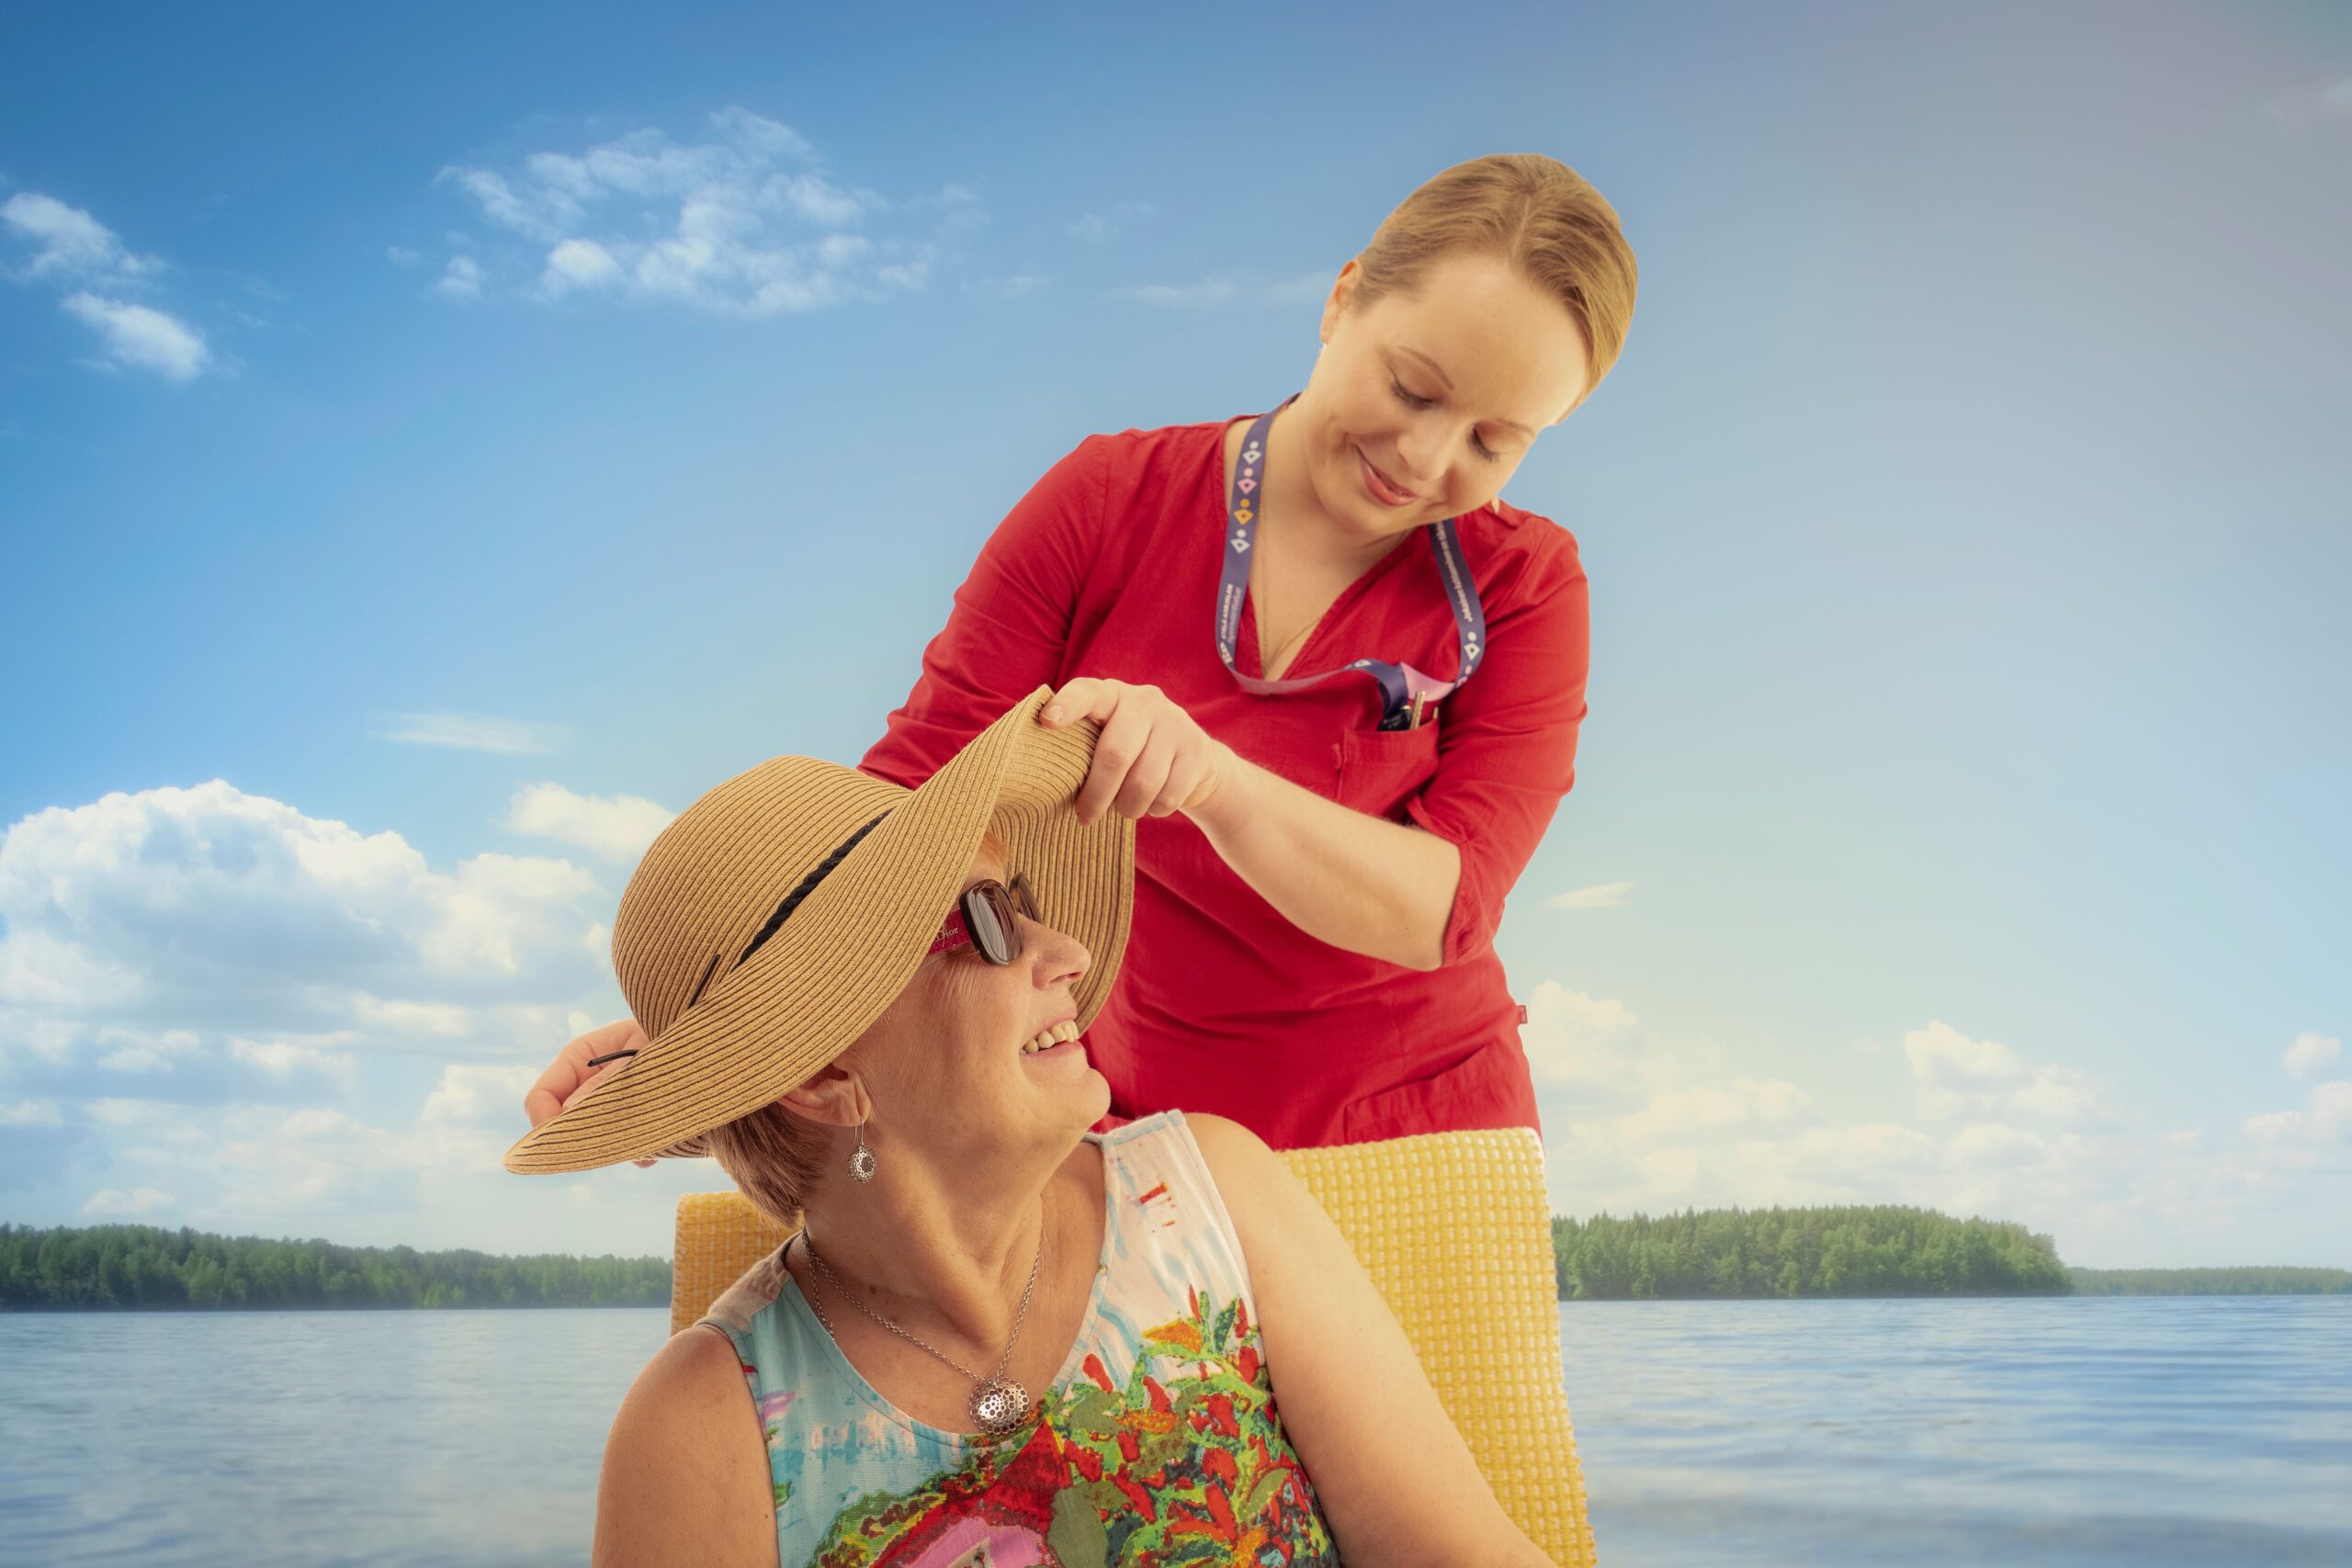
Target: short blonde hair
[1532, 211]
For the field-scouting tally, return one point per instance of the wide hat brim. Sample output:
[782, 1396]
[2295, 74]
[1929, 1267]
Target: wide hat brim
[850, 946]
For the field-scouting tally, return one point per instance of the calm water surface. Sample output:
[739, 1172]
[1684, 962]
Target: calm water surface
[2073, 1431]
[2096, 1431]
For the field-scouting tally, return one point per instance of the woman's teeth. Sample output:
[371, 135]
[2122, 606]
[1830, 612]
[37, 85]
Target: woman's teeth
[1059, 1034]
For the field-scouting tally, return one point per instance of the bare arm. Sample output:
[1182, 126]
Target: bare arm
[1353, 879]
[1393, 1478]
[685, 1476]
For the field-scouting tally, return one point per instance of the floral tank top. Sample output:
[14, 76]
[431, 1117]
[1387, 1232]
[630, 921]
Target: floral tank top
[1157, 1443]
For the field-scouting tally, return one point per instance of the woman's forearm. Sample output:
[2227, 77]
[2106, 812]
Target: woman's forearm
[1358, 882]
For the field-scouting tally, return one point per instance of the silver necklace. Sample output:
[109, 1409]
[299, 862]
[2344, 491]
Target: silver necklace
[998, 1404]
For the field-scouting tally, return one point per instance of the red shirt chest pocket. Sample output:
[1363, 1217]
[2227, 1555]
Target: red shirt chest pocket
[1382, 769]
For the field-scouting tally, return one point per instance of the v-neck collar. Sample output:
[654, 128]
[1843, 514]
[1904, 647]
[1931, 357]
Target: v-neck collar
[1248, 657]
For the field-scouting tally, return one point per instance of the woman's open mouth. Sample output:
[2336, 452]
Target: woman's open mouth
[1056, 1040]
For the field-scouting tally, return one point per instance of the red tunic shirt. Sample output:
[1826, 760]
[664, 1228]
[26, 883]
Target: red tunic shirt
[1108, 568]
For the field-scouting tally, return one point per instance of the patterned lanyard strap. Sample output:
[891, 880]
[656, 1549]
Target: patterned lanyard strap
[1403, 689]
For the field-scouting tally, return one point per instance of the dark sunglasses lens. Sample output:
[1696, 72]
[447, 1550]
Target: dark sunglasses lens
[987, 912]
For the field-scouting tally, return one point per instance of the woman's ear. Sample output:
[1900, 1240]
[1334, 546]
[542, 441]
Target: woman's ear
[832, 1094]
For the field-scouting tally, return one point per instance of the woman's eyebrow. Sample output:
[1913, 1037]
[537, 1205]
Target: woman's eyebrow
[1439, 371]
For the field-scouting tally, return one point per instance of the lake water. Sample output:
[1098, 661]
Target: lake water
[2080, 1431]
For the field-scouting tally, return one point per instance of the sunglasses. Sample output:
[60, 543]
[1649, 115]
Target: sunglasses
[983, 917]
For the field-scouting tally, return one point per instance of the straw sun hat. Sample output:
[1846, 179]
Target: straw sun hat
[834, 882]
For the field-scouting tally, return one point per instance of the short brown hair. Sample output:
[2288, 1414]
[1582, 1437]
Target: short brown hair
[774, 1156]
[1532, 211]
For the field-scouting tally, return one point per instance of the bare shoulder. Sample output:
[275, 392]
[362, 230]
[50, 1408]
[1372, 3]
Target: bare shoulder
[1260, 1190]
[1237, 1158]
[697, 1368]
[685, 1468]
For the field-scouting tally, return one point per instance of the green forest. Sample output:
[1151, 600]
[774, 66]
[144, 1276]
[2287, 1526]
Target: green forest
[1859, 1251]
[104, 1267]
[2213, 1281]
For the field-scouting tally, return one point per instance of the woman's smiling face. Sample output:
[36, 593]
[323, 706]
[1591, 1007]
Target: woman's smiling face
[1442, 392]
[950, 1056]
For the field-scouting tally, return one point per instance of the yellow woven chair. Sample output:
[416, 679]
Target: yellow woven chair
[1455, 1230]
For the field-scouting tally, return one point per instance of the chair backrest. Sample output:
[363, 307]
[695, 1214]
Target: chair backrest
[1455, 1230]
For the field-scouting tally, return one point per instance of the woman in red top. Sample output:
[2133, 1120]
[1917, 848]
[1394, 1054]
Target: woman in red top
[1320, 868]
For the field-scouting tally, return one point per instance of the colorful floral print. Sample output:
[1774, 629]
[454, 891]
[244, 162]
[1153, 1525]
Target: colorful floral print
[1159, 1446]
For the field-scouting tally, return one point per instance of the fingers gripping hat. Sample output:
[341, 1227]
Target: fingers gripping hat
[777, 916]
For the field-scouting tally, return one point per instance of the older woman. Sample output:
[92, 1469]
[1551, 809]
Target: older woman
[998, 1337]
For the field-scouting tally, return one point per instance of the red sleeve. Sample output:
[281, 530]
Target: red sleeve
[1011, 623]
[1507, 743]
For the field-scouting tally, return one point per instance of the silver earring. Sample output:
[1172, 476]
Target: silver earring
[861, 1164]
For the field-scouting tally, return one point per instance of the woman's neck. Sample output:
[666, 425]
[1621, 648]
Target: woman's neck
[933, 1248]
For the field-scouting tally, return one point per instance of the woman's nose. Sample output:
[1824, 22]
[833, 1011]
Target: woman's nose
[1061, 957]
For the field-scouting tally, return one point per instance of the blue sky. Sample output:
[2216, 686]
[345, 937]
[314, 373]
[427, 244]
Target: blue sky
[435, 444]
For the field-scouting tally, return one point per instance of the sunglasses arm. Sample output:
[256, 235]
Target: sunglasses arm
[952, 935]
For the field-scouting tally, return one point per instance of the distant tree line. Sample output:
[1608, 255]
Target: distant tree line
[1854, 1252]
[2213, 1281]
[143, 1266]
[1880, 1250]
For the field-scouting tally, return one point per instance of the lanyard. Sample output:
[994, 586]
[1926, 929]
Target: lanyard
[1405, 691]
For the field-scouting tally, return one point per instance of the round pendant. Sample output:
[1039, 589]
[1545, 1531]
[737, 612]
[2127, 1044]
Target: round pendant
[999, 1404]
[860, 1165]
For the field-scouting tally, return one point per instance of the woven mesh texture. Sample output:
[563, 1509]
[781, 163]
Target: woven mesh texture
[1454, 1229]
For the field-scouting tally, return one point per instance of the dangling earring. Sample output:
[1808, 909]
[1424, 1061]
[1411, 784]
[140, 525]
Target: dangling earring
[861, 1164]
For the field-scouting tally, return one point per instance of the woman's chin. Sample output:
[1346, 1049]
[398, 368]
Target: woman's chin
[1067, 1079]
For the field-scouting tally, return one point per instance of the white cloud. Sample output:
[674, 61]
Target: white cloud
[72, 245]
[145, 1051]
[470, 732]
[125, 1204]
[1636, 1120]
[472, 1096]
[1960, 1077]
[2313, 1053]
[2328, 1121]
[138, 1201]
[745, 223]
[143, 337]
[410, 1018]
[580, 264]
[461, 279]
[1712, 1107]
[246, 1165]
[1589, 1050]
[30, 1113]
[401, 256]
[240, 916]
[1604, 895]
[75, 251]
[616, 826]
[42, 970]
[286, 1060]
[1996, 1144]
